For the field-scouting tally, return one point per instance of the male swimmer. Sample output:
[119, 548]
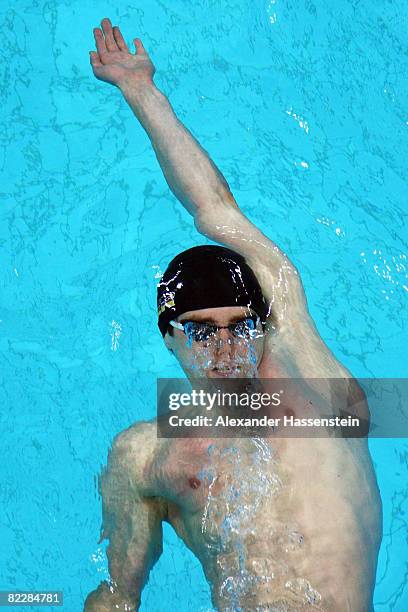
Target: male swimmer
[282, 524]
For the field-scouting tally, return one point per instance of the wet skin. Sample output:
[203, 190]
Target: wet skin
[314, 515]
[282, 524]
[278, 524]
[221, 355]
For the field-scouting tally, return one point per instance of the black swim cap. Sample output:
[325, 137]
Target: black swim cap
[207, 276]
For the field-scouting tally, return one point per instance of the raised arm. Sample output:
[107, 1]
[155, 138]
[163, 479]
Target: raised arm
[131, 522]
[191, 175]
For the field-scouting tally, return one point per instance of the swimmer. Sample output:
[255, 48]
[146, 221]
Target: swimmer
[281, 524]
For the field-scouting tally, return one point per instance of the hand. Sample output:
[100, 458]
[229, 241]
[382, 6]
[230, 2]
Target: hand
[113, 61]
[103, 599]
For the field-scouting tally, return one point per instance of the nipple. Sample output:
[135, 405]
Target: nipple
[194, 482]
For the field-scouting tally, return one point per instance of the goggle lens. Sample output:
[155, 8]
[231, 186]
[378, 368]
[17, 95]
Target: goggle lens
[200, 332]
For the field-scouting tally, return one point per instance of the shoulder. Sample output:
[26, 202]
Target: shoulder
[133, 450]
[129, 440]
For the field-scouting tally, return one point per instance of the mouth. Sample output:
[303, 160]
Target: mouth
[226, 370]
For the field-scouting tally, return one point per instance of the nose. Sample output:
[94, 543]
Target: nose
[224, 341]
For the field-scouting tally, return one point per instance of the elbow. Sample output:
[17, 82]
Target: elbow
[201, 224]
[216, 218]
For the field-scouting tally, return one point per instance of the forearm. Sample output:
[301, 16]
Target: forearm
[191, 175]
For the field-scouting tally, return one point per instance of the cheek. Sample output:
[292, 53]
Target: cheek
[251, 351]
[259, 346]
[196, 357]
[191, 353]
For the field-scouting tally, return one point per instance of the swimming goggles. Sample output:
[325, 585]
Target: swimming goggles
[199, 331]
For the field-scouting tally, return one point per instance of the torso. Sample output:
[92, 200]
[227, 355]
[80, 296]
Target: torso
[281, 524]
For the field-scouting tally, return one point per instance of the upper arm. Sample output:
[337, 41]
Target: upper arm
[279, 279]
[131, 521]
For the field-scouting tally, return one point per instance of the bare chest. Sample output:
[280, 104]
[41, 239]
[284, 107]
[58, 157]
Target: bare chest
[284, 510]
[263, 480]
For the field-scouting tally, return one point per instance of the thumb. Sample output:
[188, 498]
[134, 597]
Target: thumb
[139, 47]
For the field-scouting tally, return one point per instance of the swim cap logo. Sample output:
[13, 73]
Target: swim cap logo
[166, 301]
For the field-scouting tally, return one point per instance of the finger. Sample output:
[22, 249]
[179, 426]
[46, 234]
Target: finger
[100, 42]
[109, 38]
[94, 59]
[120, 41]
[139, 47]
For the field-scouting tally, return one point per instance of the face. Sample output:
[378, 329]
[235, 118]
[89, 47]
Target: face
[223, 354]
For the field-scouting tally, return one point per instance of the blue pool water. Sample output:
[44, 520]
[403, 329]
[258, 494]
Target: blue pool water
[303, 105]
